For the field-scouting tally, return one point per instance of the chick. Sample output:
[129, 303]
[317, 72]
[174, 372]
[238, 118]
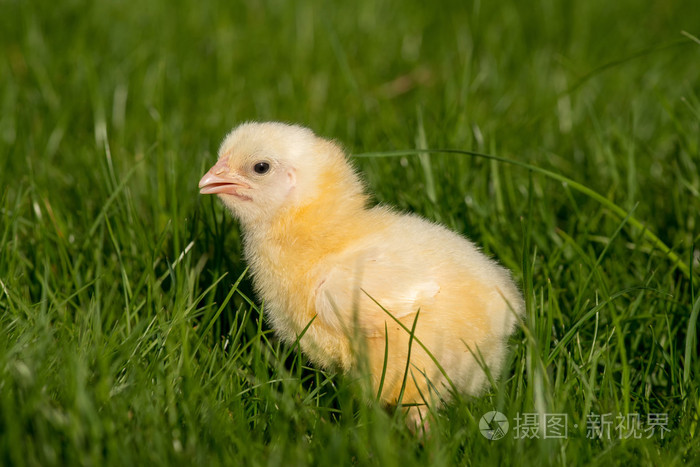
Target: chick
[360, 278]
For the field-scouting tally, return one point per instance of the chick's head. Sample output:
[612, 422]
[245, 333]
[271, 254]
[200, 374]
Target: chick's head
[264, 168]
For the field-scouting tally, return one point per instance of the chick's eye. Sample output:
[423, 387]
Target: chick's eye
[261, 167]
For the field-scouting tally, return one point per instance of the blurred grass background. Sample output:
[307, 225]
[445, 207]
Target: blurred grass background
[125, 336]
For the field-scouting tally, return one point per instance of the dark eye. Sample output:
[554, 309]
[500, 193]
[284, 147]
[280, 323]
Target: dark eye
[261, 168]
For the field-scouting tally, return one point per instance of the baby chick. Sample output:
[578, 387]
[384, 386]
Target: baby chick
[361, 278]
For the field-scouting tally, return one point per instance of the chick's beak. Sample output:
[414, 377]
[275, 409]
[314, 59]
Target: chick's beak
[219, 181]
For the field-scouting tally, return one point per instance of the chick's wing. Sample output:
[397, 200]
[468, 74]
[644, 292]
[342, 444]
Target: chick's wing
[350, 293]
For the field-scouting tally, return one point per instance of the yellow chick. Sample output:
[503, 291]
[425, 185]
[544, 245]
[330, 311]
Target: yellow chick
[320, 257]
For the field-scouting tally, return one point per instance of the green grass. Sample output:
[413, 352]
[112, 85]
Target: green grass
[129, 333]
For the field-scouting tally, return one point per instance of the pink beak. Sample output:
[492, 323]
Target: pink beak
[217, 181]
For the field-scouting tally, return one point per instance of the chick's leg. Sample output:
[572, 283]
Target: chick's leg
[418, 420]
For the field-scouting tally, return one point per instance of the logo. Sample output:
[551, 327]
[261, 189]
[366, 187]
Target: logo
[493, 425]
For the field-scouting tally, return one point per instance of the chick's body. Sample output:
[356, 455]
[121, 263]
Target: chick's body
[342, 274]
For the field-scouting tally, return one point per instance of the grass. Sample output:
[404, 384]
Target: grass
[129, 333]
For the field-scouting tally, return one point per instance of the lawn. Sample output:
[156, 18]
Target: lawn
[129, 331]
